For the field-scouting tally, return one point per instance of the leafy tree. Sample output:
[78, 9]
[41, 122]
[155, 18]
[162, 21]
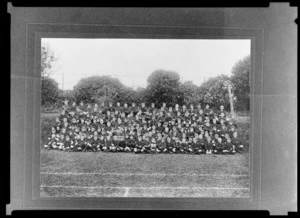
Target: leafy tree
[48, 61]
[50, 92]
[141, 95]
[214, 92]
[98, 88]
[68, 94]
[241, 83]
[163, 86]
[189, 93]
[128, 95]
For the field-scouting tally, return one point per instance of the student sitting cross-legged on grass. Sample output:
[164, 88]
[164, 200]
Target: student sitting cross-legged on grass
[177, 145]
[94, 143]
[229, 147]
[219, 148]
[146, 145]
[196, 146]
[68, 143]
[101, 143]
[121, 145]
[169, 145]
[158, 139]
[201, 142]
[237, 144]
[130, 144]
[138, 146]
[184, 146]
[113, 145]
[208, 145]
[190, 146]
[87, 143]
[142, 144]
[51, 139]
[173, 140]
[61, 142]
[80, 143]
[54, 140]
[75, 139]
[107, 143]
[161, 145]
[153, 148]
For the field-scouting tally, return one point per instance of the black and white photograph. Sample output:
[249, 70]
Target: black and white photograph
[164, 109]
[145, 117]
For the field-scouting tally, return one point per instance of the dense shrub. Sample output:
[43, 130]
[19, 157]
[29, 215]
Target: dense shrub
[50, 92]
[241, 82]
[163, 86]
[215, 92]
[98, 88]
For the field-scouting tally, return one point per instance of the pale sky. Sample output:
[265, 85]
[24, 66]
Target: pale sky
[133, 60]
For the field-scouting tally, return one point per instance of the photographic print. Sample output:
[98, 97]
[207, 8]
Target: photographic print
[145, 118]
[153, 109]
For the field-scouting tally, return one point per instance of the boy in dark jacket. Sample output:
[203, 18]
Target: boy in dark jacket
[196, 147]
[177, 145]
[219, 148]
[208, 145]
[113, 145]
[229, 149]
[201, 142]
[238, 146]
[153, 146]
[161, 146]
[138, 146]
[68, 143]
[130, 144]
[101, 143]
[169, 145]
[184, 146]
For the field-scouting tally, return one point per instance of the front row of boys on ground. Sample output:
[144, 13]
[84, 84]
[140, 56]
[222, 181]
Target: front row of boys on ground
[81, 129]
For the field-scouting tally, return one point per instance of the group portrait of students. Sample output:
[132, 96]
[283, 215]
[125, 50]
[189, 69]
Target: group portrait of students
[144, 129]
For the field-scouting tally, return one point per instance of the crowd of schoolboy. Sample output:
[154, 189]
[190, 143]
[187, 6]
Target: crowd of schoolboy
[142, 129]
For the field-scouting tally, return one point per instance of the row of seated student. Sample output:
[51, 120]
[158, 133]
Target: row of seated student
[145, 144]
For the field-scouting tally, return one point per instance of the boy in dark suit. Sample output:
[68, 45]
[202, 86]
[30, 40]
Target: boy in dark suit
[169, 145]
[113, 145]
[153, 146]
[208, 145]
[229, 149]
[184, 146]
[219, 148]
[238, 146]
[67, 143]
[196, 146]
[138, 146]
[201, 142]
[161, 145]
[130, 144]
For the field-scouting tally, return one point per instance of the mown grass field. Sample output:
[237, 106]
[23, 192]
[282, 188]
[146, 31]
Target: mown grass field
[98, 174]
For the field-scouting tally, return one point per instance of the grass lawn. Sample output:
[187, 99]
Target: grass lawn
[99, 174]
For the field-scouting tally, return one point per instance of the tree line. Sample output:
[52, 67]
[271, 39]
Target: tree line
[162, 86]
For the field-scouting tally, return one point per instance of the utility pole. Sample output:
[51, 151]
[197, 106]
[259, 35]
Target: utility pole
[229, 87]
